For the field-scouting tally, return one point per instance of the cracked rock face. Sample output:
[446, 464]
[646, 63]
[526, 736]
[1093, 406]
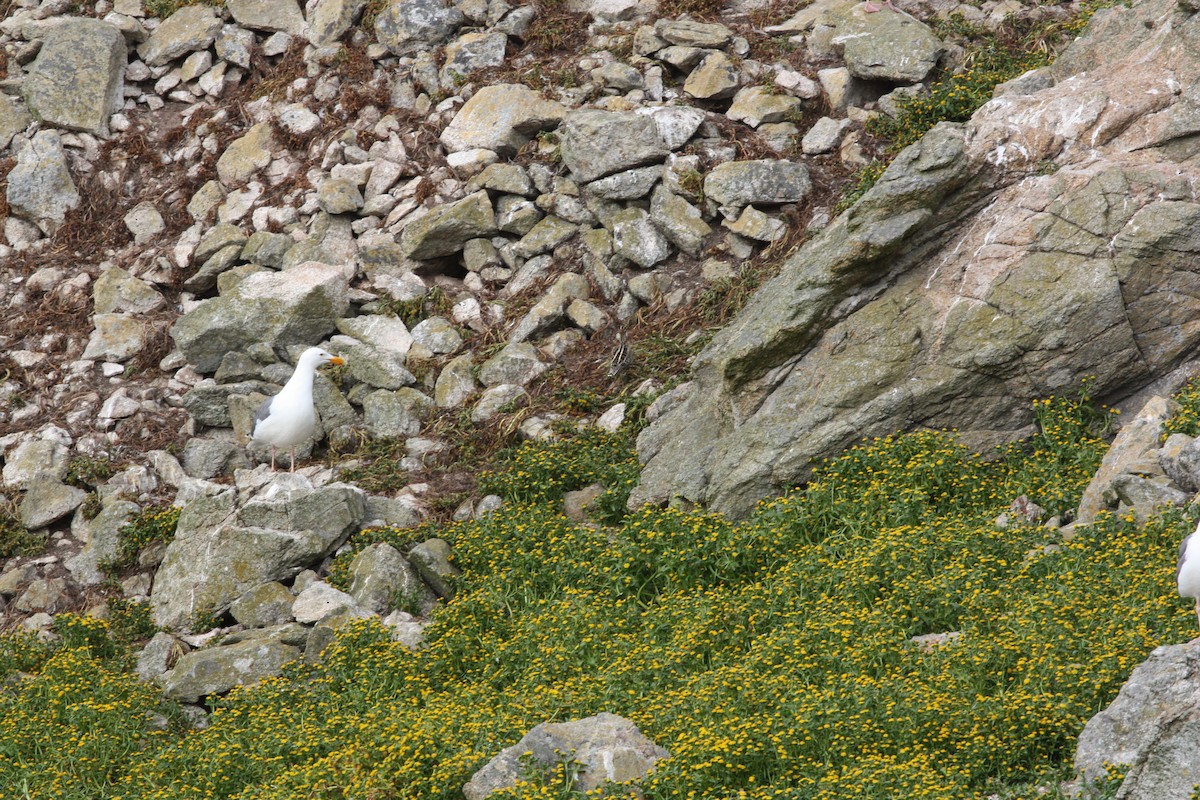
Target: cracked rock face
[965, 283]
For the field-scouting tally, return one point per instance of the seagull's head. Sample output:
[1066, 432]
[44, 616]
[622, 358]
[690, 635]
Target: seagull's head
[316, 357]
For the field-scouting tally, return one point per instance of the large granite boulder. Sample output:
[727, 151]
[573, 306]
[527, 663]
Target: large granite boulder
[76, 80]
[299, 306]
[225, 545]
[970, 279]
[1152, 730]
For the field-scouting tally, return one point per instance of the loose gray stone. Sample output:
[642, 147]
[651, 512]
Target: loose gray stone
[116, 337]
[40, 188]
[330, 20]
[715, 78]
[221, 551]
[246, 155]
[13, 119]
[432, 559]
[382, 580]
[234, 44]
[548, 310]
[117, 291]
[708, 35]
[48, 500]
[209, 458]
[407, 27]
[679, 220]
[635, 237]
[598, 143]
[144, 222]
[754, 224]
[607, 748]
[474, 51]
[160, 654]
[189, 29]
[383, 369]
[438, 335]
[77, 78]
[516, 364]
[32, 458]
[547, 234]
[398, 413]
[455, 383]
[265, 605]
[446, 228]
[496, 399]
[898, 48]
[772, 182]
[339, 196]
[628, 185]
[824, 136]
[756, 105]
[320, 600]
[103, 542]
[501, 118]
[268, 15]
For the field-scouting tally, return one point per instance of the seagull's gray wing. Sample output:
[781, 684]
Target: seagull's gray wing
[263, 412]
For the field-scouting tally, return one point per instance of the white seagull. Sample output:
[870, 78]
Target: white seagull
[1187, 574]
[288, 418]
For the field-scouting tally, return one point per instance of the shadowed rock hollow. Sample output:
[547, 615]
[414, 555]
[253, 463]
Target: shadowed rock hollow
[1054, 235]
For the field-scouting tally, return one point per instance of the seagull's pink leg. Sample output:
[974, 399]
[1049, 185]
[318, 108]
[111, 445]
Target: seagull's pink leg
[272, 458]
[293, 458]
[870, 7]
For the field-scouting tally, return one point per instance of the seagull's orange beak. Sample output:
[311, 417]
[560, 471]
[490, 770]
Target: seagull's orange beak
[337, 361]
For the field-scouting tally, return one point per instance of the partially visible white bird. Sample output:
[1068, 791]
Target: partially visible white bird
[1187, 574]
[289, 418]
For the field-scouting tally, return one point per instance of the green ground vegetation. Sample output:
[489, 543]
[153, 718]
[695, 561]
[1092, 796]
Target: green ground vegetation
[772, 657]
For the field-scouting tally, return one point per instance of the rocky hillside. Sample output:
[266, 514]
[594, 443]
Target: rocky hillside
[567, 220]
[498, 215]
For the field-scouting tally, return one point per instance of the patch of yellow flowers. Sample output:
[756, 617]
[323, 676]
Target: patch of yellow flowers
[773, 658]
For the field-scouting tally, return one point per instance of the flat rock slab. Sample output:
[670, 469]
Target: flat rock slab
[501, 118]
[268, 15]
[216, 670]
[598, 143]
[76, 80]
[766, 181]
[189, 29]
